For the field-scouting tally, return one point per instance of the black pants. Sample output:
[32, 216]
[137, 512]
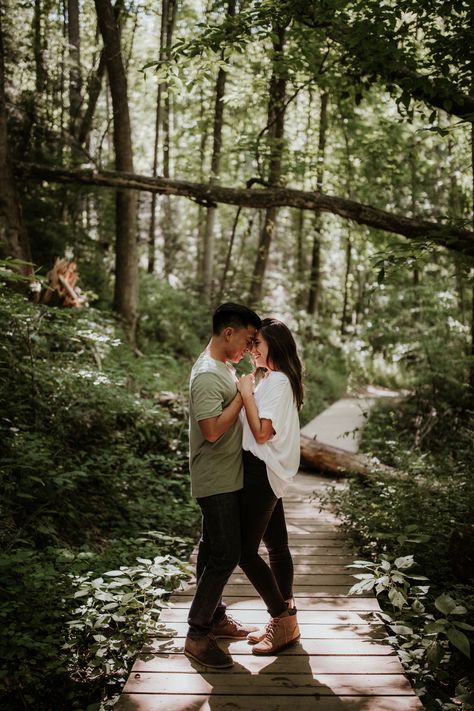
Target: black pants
[218, 556]
[262, 517]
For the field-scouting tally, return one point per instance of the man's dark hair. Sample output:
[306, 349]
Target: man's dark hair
[234, 315]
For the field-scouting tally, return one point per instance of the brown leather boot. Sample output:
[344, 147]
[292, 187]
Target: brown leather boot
[228, 628]
[205, 651]
[260, 634]
[281, 632]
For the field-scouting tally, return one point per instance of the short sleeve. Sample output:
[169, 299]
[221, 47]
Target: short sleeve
[206, 395]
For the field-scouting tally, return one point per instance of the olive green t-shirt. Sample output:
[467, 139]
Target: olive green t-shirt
[216, 467]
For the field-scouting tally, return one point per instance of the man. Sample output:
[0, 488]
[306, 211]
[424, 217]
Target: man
[215, 442]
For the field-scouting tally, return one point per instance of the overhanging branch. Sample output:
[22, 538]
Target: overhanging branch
[447, 236]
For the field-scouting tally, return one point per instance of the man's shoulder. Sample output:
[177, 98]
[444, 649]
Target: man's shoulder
[207, 369]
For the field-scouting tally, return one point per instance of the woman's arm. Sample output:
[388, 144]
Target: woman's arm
[261, 427]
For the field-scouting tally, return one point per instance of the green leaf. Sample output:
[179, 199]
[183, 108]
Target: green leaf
[404, 562]
[401, 629]
[396, 598]
[459, 640]
[445, 604]
[434, 654]
[463, 626]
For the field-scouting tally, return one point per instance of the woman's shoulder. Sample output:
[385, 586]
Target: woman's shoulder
[278, 376]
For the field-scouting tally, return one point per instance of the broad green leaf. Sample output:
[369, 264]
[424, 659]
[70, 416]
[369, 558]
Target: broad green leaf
[459, 640]
[445, 604]
[404, 562]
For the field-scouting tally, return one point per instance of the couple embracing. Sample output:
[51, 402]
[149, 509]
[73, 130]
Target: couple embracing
[244, 450]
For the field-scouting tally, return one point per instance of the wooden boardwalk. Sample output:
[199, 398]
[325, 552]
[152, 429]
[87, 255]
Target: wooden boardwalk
[343, 660]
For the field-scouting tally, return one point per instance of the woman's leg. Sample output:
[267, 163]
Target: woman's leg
[257, 502]
[275, 539]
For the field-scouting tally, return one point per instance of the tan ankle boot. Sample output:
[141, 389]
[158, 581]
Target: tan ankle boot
[258, 635]
[281, 632]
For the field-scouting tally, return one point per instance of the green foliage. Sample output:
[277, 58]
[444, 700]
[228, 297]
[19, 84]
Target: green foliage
[93, 474]
[115, 613]
[387, 516]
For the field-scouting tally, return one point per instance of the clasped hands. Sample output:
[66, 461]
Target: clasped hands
[245, 384]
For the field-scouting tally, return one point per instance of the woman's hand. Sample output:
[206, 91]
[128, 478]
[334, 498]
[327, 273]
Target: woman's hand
[245, 384]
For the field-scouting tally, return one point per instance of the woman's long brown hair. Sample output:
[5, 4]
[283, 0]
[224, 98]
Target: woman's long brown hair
[283, 355]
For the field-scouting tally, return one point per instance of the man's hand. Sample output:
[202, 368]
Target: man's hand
[246, 384]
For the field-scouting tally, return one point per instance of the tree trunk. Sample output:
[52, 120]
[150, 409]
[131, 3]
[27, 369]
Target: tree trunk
[93, 92]
[315, 271]
[276, 128]
[158, 121]
[126, 260]
[339, 462]
[208, 247]
[75, 80]
[471, 372]
[448, 236]
[167, 222]
[13, 239]
[345, 304]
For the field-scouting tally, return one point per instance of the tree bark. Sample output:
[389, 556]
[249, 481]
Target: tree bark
[13, 238]
[451, 237]
[167, 221]
[158, 121]
[315, 271]
[75, 80]
[93, 92]
[338, 462]
[276, 129]
[126, 259]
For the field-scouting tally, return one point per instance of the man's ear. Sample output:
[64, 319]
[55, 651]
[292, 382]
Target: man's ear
[228, 332]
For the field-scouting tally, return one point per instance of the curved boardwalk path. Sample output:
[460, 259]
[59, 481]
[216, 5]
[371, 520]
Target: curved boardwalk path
[343, 660]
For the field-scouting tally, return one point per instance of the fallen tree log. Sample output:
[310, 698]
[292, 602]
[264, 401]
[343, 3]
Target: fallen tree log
[444, 235]
[331, 460]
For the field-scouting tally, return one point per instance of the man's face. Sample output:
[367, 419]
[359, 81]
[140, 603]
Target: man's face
[239, 341]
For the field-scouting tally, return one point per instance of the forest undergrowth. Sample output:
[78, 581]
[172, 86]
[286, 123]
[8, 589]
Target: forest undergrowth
[415, 534]
[96, 518]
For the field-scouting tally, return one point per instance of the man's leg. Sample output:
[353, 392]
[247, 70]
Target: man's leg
[201, 562]
[221, 519]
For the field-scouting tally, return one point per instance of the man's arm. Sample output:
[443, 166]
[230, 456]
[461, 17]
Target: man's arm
[214, 427]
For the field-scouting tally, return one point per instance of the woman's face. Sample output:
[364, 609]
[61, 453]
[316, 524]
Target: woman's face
[260, 351]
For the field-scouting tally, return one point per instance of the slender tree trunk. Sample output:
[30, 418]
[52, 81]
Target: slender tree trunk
[167, 222]
[75, 79]
[276, 128]
[158, 121]
[40, 78]
[126, 263]
[208, 247]
[203, 126]
[347, 274]
[93, 92]
[13, 238]
[315, 271]
[471, 373]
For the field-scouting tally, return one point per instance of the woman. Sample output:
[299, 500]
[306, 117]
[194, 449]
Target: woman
[271, 444]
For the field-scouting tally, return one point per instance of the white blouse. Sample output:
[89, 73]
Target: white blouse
[281, 453]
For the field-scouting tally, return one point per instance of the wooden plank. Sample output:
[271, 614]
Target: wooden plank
[314, 647]
[254, 615]
[240, 590]
[219, 702]
[303, 602]
[310, 578]
[281, 664]
[268, 684]
[333, 630]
